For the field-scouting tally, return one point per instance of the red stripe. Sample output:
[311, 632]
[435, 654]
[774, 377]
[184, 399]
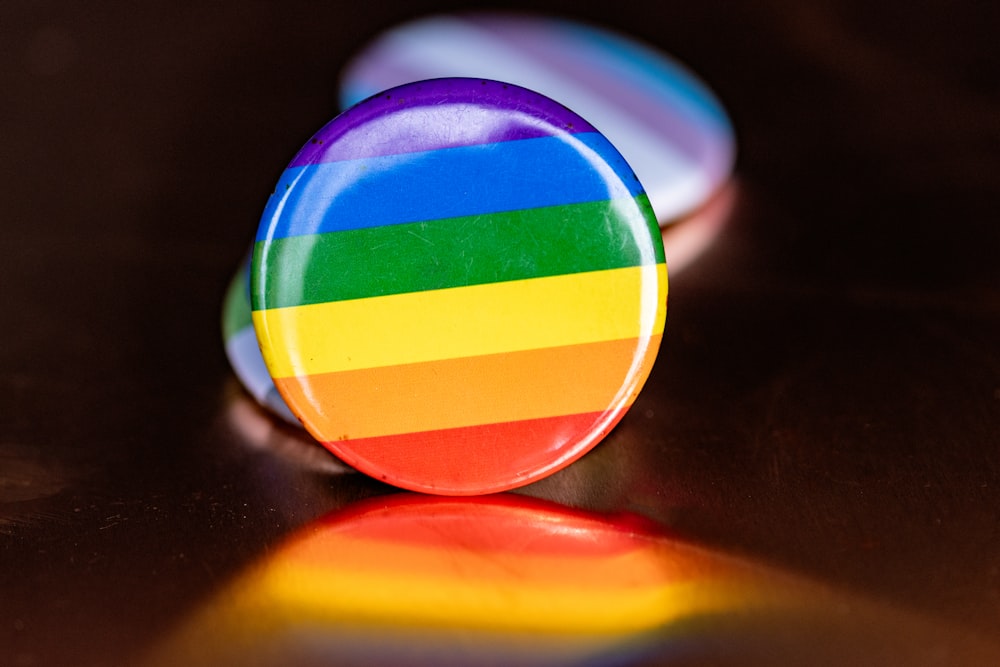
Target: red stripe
[477, 459]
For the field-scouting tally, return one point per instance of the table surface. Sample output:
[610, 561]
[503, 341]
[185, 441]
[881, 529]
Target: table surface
[819, 437]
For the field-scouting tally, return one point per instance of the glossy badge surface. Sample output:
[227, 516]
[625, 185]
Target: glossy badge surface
[458, 286]
[667, 123]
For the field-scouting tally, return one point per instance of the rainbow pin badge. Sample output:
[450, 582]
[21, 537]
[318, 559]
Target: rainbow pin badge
[458, 286]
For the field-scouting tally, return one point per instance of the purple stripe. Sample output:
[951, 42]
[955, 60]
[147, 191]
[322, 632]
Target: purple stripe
[464, 112]
[561, 52]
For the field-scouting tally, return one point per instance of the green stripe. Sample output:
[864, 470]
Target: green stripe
[455, 252]
[236, 308]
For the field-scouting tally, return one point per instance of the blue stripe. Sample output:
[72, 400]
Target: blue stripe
[447, 183]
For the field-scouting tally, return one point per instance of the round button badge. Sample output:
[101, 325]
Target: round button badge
[458, 286]
[665, 121]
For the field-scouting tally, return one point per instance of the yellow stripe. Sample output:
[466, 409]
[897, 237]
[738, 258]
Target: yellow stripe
[462, 322]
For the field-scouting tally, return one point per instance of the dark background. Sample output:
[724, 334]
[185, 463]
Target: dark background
[826, 402]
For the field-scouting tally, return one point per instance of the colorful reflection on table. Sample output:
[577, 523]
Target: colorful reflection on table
[413, 580]
[505, 580]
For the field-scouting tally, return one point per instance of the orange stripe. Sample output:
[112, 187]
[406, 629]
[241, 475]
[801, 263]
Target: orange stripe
[467, 391]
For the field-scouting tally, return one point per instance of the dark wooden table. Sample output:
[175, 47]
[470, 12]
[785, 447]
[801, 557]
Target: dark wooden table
[824, 417]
